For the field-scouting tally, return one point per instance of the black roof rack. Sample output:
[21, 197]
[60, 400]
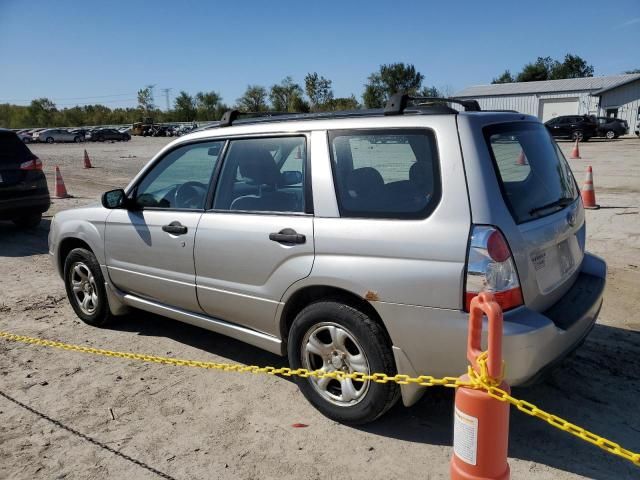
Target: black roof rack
[398, 103]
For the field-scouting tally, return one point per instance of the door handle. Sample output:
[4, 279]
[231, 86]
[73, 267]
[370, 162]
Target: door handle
[175, 228]
[287, 235]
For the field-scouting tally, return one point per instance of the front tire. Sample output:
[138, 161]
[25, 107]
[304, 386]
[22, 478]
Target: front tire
[50, 140]
[85, 287]
[331, 336]
[610, 135]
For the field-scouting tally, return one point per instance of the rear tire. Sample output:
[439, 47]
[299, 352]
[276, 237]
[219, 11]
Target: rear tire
[85, 287]
[610, 135]
[359, 343]
[77, 139]
[50, 140]
[29, 220]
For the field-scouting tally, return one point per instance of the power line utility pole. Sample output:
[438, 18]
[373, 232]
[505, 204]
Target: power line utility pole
[166, 92]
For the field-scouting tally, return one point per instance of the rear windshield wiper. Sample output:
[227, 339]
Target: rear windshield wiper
[561, 202]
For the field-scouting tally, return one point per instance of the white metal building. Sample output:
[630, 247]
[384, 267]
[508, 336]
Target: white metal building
[615, 96]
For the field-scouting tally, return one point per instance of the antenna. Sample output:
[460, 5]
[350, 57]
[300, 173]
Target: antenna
[165, 92]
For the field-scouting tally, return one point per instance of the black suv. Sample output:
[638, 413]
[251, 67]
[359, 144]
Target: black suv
[574, 127]
[24, 194]
[611, 128]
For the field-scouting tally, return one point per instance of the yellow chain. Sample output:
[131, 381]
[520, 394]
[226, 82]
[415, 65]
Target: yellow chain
[477, 380]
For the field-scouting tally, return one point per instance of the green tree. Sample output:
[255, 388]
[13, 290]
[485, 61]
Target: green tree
[184, 107]
[539, 70]
[390, 79]
[42, 112]
[506, 77]
[429, 92]
[319, 91]
[573, 66]
[287, 97]
[254, 99]
[207, 105]
[342, 103]
[145, 99]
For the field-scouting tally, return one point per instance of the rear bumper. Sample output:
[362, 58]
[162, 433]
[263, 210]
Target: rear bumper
[13, 207]
[430, 341]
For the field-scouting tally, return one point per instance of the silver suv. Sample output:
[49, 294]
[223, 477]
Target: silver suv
[348, 241]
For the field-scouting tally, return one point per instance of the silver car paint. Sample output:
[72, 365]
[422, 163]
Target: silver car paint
[144, 260]
[415, 267]
[241, 274]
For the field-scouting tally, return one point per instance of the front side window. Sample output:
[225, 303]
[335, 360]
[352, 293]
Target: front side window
[385, 173]
[263, 175]
[181, 179]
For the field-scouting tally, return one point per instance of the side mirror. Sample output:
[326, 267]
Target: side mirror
[290, 177]
[113, 199]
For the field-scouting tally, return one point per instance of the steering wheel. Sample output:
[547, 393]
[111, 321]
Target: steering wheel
[189, 195]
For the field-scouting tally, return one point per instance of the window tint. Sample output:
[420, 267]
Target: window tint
[535, 177]
[263, 175]
[12, 149]
[385, 173]
[181, 179]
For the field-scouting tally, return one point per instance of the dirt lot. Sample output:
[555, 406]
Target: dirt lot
[187, 423]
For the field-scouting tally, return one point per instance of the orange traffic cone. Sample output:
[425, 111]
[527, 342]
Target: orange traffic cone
[61, 190]
[588, 193]
[522, 159]
[575, 153]
[87, 161]
[298, 153]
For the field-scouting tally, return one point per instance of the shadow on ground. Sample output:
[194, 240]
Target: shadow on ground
[16, 242]
[597, 388]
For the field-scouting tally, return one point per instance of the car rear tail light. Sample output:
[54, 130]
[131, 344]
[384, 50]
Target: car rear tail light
[34, 164]
[491, 268]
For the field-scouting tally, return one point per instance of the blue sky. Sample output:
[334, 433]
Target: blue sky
[70, 51]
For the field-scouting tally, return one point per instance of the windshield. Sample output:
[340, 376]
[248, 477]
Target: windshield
[535, 177]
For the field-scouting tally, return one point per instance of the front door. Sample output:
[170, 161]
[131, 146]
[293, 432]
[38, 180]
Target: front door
[258, 239]
[149, 247]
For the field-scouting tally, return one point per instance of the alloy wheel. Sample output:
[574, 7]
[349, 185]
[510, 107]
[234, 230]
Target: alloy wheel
[85, 291]
[329, 347]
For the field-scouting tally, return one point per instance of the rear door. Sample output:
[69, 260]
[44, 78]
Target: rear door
[543, 200]
[258, 238]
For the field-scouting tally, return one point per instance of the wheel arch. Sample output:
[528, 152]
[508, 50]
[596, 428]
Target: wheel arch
[66, 245]
[315, 293]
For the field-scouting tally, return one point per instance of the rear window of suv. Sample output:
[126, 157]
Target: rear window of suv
[391, 173]
[12, 149]
[535, 178]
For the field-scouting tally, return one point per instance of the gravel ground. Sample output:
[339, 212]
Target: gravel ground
[68, 415]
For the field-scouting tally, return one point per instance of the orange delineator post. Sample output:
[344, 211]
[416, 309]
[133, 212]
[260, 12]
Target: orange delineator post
[87, 161]
[588, 193]
[575, 153]
[481, 423]
[60, 189]
[522, 159]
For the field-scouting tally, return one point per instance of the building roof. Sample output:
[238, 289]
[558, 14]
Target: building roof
[595, 84]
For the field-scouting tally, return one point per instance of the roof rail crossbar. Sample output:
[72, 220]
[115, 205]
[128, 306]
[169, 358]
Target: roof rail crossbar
[397, 103]
[232, 115]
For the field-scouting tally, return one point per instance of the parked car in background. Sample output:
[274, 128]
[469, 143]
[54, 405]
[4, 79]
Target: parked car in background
[24, 194]
[35, 133]
[611, 128]
[81, 132]
[574, 127]
[103, 134]
[25, 135]
[53, 135]
[362, 257]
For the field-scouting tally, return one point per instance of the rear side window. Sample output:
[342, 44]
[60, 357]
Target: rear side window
[385, 173]
[12, 149]
[535, 178]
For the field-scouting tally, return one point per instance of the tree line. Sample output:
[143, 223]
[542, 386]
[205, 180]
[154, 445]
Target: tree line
[314, 94]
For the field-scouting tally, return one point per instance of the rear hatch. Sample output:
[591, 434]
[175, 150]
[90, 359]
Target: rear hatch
[543, 198]
[18, 175]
